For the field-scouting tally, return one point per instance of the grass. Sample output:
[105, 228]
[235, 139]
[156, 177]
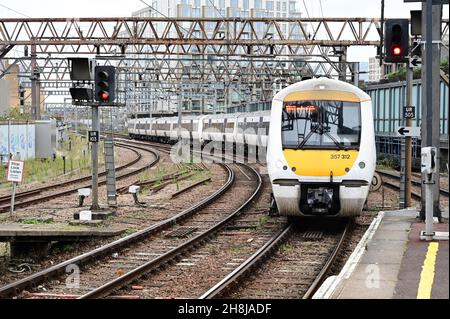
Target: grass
[41, 170]
[198, 176]
[129, 231]
[286, 248]
[386, 163]
[34, 221]
[213, 250]
[62, 248]
[153, 173]
[261, 222]
[237, 249]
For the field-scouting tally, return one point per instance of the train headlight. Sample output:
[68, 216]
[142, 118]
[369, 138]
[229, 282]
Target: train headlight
[279, 164]
[362, 165]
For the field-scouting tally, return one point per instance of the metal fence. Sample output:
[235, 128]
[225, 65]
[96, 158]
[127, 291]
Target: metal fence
[389, 98]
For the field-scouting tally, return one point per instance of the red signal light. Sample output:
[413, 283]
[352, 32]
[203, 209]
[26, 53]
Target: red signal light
[396, 50]
[104, 96]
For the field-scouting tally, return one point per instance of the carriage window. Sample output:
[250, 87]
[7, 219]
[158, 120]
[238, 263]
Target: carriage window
[321, 124]
[230, 127]
[265, 128]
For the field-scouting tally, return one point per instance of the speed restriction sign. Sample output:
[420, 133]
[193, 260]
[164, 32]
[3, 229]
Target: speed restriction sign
[93, 136]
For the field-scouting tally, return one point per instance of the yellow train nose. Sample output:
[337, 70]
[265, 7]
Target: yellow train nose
[320, 162]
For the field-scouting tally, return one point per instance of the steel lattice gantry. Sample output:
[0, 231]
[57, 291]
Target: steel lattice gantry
[162, 38]
[193, 50]
[224, 36]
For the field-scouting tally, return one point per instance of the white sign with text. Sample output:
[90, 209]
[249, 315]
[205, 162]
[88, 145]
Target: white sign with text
[15, 171]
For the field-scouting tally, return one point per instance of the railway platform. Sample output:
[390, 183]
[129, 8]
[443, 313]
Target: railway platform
[391, 262]
[34, 240]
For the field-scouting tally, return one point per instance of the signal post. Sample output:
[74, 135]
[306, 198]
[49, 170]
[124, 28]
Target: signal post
[104, 79]
[397, 50]
[102, 93]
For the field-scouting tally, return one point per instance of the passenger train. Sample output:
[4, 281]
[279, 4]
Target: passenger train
[319, 138]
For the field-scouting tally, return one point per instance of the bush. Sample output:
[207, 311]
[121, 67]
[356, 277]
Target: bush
[400, 75]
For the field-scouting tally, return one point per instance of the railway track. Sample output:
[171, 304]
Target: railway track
[196, 271]
[149, 248]
[395, 186]
[292, 264]
[49, 192]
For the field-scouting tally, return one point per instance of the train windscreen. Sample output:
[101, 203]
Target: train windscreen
[320, 124]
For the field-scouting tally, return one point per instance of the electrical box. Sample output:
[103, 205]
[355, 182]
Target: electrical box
[428, 160]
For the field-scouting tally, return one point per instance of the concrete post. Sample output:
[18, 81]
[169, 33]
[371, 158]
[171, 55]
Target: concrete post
[430, 95]
[94, 156]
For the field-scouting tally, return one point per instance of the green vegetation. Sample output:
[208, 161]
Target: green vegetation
[198, 176]
[155, 172]
[237, 249]
[444, 66]
[212, 250]
[35, 221]
[129, 231]
[286, 248]
[400, 74]
[15, 115]
[62, 248]
[386, 163]
[261, 222]
[77, 163]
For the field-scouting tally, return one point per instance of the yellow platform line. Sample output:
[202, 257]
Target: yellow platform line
[427, 274]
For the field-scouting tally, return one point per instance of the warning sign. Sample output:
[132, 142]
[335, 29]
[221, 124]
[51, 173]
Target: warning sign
[15, 171]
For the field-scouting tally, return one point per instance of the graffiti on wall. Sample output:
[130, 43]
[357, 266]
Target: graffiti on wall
[17, 138]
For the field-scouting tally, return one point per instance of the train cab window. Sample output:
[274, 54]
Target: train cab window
[321, 124]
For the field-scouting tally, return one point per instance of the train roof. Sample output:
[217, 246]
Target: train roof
[322, 89]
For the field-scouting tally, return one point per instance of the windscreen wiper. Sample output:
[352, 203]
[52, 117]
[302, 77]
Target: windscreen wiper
[341, 147]
[305, 139]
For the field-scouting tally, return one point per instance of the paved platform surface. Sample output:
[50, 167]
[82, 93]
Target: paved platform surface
[391, 266]
[46, 232]
[421, 261]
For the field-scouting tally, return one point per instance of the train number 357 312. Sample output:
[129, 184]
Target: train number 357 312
[340, 156]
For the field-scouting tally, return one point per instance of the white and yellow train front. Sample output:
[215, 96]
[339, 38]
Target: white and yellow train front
[321, 148]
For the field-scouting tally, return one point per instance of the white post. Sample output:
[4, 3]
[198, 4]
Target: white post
[13, 195]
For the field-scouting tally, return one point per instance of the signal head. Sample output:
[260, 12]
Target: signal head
[104, 96]
[105, 84]
[397, 50]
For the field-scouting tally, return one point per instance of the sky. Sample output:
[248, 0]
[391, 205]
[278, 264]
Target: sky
[113, 8]
[116, 8]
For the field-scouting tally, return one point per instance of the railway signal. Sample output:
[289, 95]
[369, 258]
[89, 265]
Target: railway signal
[396, 40]
[105, 78]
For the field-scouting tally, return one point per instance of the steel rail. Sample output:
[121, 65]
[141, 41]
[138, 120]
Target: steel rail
[33, 280]
[325, 269]
[262, 253]
[249, 264]
[416, 183]
[28, 193]
[51, 196]
[119, 282]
